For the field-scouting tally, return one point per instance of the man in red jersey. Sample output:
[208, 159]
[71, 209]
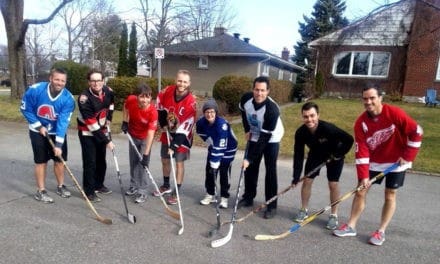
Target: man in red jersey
[140, 121]
[177, 112]
[384, 134]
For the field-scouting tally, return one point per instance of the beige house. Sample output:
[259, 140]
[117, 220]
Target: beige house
[211, 58]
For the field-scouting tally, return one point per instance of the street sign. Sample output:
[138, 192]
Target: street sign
[159, 53]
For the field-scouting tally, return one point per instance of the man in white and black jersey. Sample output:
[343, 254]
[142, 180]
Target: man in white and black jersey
[263, 131]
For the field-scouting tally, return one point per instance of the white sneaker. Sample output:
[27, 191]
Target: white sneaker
[208, 199]
[224, 203]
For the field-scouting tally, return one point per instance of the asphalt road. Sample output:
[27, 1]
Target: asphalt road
[67, 232]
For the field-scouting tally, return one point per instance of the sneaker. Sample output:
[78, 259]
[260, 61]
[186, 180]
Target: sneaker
[377, 238]
[332, 222]
[344, 230]
[103, 190]
[63, 192]
[207, 199]
[94, 198]
[270, 213]
[301, 216]
[43, 196]
[131, 191]
[223, 203]
[172, 199]
[140, 198]
[162, 190]
[245, 203]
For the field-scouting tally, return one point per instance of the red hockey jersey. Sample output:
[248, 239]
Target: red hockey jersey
[383, 139]
[181, 115]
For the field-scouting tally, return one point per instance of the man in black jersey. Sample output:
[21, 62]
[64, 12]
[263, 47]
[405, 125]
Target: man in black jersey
[324, 141]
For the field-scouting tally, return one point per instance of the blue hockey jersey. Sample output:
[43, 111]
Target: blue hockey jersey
[221, 141]
[41, 109]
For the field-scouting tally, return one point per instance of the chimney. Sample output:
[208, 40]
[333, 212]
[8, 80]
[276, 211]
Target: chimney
[218, 31]
[285, 54]
[237, 35]
[246, 40]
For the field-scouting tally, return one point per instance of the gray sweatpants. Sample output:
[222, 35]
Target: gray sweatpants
[138, 176]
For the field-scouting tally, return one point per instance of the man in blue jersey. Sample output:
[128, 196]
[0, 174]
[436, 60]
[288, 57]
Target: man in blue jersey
[48, 106]
[263, 131]
[222, 145]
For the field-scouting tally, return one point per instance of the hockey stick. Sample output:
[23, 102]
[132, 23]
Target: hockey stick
[222, 241]
[322, 210]
[101, 219]
[262, 206]
[131, 218]
[173, 169]
[217, 210]
[172, 213]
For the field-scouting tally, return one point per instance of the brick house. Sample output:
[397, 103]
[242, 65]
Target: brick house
[211, 58]
[396, 46]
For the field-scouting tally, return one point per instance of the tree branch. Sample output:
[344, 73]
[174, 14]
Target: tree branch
[27, 22]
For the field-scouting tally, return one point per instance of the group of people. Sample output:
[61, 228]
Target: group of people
[383, 135]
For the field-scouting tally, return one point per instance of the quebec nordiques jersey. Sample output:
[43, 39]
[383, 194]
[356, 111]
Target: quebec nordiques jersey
[264, 118]
[40, 109]
[222, 143]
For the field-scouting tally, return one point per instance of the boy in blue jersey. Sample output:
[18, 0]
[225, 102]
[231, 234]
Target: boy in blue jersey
[222, 145]
[48, 106]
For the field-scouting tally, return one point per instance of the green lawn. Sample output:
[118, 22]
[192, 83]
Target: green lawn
[340, 112]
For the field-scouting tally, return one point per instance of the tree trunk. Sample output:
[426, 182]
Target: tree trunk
[12, 11]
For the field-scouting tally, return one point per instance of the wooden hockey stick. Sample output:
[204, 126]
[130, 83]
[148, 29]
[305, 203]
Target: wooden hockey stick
[172, 213]
[101, 219]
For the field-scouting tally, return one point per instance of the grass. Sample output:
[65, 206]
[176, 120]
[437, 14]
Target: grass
[340, 112]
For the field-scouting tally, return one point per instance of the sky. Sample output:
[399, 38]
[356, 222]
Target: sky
[270, 25]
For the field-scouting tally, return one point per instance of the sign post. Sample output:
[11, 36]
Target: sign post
[159, 54]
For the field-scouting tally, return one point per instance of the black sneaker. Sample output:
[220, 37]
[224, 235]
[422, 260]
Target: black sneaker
[103, 190]
[270, 213]
[94, 198]
[245, 203]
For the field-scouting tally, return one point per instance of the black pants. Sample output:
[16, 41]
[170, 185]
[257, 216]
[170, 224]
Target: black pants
[270, 154]
[94, 163]
[210, 179]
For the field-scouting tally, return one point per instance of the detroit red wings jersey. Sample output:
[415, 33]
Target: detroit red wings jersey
[383, 139]
[181, 114]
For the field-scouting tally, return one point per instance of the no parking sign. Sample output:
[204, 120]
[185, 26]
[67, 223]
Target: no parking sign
[159, 53]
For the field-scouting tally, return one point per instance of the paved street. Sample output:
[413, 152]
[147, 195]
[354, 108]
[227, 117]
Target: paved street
[66, 231]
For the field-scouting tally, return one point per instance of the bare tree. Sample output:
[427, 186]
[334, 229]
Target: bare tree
[16, 28]
[202, 16]
[40, 42]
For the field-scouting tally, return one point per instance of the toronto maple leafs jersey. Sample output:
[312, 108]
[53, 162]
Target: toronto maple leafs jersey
[41, 109]
[381, 140]
[221, 141]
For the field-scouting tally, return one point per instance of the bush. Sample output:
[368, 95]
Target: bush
[76, 75]
[229, 90]
[124, 86]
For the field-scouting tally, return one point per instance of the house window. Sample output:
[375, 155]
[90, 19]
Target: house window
[203, 62]
[280, 74]
[438, 70]
[362, 63]
[265, 70]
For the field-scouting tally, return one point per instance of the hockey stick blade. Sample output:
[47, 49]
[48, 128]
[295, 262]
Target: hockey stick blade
[222, 241]
[172, 213]
[326, 208]
[264, 205]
